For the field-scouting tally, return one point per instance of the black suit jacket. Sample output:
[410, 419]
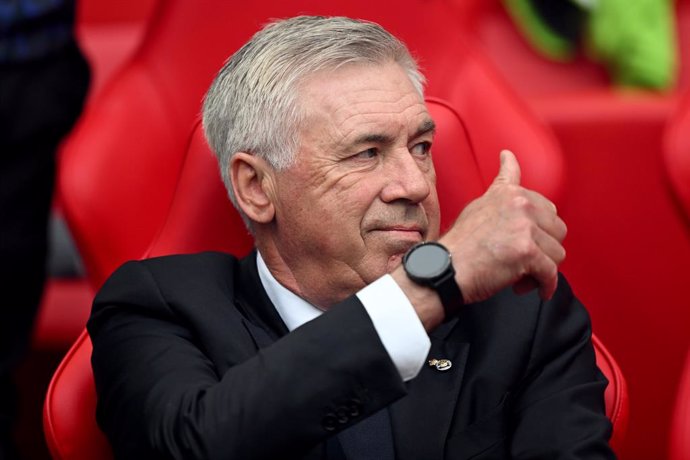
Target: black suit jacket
[191, 360]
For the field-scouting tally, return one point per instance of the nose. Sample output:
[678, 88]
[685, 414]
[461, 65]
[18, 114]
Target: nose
[408, 178]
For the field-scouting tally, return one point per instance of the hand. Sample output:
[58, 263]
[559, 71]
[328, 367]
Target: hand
[508, 236]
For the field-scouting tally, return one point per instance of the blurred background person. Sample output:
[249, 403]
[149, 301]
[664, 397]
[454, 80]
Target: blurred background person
[43, 83]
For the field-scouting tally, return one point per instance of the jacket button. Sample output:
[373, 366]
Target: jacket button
[342, 415]
[354, 407]
[329, 422]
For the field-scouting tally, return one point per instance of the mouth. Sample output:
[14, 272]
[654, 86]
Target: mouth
[403, 229]
[413, 234]
[398, 239]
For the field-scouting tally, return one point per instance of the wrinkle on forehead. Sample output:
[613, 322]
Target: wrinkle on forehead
[336, 96]
[357, 125]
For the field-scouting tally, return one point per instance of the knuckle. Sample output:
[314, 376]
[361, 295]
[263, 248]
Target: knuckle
[520, 201]
[525, 249]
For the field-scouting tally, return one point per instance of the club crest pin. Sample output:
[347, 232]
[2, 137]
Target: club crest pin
[441, 364]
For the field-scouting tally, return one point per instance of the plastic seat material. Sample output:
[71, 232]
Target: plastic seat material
[676, 153]
[679, 448]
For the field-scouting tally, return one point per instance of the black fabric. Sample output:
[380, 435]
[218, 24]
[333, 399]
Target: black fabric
[563, 17]
[186, 366]
[35, 29]
[370, 439]
[39, 102]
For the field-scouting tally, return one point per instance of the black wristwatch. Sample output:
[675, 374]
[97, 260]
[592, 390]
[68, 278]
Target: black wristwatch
[429, 264]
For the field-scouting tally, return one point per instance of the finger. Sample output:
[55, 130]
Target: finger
[554, 227]
[545, 273]
[550, 246]
[547, 289]
[540, 200]
[541, 269]
[552, 224]
[543, 276]
[543, 211]
[509, 172]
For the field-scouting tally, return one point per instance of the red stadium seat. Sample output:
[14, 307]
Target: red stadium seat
[680, 426]
[676, 156]
[69, 413]
[677, 153]
[202, 218]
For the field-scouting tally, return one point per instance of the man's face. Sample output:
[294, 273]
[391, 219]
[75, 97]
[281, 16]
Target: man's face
[362, 189]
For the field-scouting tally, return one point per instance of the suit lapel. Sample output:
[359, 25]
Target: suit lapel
[432, 395]
[421, 419]
[262, 320]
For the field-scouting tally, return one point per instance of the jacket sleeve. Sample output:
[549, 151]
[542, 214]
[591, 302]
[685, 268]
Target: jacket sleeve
[558, 409]
[161, 396]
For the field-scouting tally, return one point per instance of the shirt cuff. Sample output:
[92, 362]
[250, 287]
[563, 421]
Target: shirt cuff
[397, 325]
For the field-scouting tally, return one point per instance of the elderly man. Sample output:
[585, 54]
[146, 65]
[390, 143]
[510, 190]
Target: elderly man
[354, 331]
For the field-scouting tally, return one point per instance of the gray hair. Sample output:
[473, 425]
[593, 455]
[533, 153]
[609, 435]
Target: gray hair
[252, 105]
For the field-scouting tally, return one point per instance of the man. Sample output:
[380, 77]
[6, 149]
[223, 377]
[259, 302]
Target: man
[324, 343]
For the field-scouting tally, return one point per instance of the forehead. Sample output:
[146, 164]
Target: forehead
[358, 97]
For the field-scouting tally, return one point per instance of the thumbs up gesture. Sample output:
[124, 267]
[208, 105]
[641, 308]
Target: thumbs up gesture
[510, 236]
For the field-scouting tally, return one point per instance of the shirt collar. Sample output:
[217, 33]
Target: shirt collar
[293, 310]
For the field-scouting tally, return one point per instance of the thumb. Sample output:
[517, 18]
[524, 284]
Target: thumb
[509, 172]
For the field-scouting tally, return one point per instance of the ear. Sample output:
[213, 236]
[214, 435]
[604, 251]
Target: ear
[252, 182]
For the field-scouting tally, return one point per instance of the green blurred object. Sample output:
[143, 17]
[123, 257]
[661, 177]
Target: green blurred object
[634, 39]
[545, 38]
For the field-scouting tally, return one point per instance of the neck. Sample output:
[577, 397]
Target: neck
[301, 278]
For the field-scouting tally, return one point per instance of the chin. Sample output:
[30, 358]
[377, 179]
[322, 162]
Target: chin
[394, 262]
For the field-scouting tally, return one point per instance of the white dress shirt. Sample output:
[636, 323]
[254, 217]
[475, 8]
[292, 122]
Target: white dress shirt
[398, 326]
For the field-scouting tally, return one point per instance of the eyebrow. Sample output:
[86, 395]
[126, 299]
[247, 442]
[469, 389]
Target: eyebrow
[428, 126]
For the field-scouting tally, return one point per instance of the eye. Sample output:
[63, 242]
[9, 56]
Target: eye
[366, 154]
[422, 149]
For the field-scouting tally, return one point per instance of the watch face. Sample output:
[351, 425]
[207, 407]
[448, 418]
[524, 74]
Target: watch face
[427, 261]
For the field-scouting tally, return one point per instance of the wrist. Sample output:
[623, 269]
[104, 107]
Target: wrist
[425, 301]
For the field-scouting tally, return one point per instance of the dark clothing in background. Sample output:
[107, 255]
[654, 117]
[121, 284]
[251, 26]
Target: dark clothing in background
[43, 83]
[34, 29]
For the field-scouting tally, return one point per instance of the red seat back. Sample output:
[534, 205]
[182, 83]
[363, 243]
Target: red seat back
[677, 153]
[69, 412]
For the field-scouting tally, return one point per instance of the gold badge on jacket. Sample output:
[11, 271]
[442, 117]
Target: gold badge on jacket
[440, 364]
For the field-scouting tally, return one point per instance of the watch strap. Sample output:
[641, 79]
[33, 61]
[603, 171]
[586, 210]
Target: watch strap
[450, 294]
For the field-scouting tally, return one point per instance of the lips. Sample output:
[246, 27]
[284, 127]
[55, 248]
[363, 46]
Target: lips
[402, 228]
[403, 235]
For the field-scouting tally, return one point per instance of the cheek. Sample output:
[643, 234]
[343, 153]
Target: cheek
[336, 215]
[353, 201]
[433, 215]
